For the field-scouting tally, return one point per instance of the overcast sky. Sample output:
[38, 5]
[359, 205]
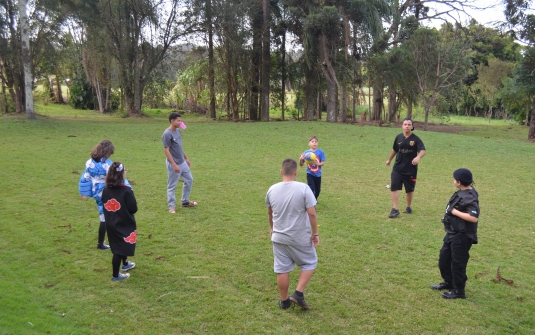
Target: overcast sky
[484, 16]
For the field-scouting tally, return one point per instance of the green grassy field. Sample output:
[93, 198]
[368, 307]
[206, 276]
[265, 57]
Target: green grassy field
[208, 270]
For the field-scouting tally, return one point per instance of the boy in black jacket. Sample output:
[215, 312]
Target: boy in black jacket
[460, 224]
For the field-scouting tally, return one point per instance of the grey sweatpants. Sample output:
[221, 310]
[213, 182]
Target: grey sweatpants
[172, 181]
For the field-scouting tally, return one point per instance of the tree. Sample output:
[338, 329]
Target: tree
[491, 79]
[44, 22]
[26, 60]
[522, 25]
[439, 60]
[141, 32]
[266, 60]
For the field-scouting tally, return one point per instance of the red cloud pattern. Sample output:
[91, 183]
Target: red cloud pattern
[112, 205]
[131, 238]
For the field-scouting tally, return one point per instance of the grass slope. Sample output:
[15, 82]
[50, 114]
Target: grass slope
[209, 269]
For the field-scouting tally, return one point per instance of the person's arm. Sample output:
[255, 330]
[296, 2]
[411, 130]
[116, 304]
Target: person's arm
[170, 159]
[416, 159]
[464, 216]
[130, 202]
[392, 155]
[186, 158]
[315, 238]
[270, 220]
[302, 159]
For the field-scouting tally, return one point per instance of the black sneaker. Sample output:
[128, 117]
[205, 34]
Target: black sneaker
[285, 304]
[300, 301]
[394, 213]
[454, 294]
[102, 246]
[408, 210]
[442, 286]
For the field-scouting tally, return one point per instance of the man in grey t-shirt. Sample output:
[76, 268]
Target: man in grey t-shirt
[177, 164]
[294, 232]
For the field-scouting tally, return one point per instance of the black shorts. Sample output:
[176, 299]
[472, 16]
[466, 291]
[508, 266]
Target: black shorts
[398, 180]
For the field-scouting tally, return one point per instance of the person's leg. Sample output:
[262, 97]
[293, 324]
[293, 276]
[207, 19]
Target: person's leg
[460, 245]
[409, 197]
[304, 278]
[396, 184]
[317, 182]
[311, 183]
[187, 178]
[444, 263]
[283, 281]
[115, 264]
[172, 181]
[459, 259]
[101, 233]
[395, 199]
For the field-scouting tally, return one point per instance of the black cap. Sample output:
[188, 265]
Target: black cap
[464, 176]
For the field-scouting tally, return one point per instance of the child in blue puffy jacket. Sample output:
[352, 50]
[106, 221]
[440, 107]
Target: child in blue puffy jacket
[93, 181]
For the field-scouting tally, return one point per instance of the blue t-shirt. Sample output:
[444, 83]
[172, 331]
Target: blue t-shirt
[314, 169]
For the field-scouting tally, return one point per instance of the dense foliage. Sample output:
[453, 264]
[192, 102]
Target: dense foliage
[244, 56]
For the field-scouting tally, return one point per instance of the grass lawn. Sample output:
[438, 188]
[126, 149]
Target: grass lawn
[208, 270]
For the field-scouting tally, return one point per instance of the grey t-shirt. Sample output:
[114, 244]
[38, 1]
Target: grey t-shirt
[173, 140]
[289, 202]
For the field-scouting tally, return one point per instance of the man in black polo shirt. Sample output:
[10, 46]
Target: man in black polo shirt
[408, 149]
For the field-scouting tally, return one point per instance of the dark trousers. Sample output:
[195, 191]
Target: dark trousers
[453, 259]
[116, 263]
[315, 184]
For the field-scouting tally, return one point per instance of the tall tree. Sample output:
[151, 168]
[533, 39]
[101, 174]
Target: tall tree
[266, 60]
[522, 24]
[440, 61]
[26, 60]
[141, 32]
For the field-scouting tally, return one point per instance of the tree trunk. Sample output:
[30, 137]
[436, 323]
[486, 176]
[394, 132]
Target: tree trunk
[531, 133]
[330, 76]
[26, 59]
[256, 57]
[59, 94]
[409, 108]
[343, 104]
[427, 109]
[283, 74]
[211, 73]
[266, 61]
[377, 101]
[392, 103]
[311, 92]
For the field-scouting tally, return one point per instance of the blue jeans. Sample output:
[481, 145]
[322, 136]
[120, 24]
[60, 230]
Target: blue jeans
[172, 181]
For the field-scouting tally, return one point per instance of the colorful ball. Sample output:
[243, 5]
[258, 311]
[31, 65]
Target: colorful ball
[310, 158]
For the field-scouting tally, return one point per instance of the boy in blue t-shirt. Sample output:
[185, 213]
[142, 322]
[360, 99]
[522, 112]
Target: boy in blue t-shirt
[314, 170]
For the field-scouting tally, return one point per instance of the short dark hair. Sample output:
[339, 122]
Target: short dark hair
[173, 116]
[312, 138]
[289, 166]
[409, 119]
[115, 178]
[104, 149]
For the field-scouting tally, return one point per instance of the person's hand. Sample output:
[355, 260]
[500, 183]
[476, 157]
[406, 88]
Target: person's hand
[83, 197]
[188, 162]
[176, 168]
[271, 233]
[387, 162]
[415, 161]
[315, 239]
